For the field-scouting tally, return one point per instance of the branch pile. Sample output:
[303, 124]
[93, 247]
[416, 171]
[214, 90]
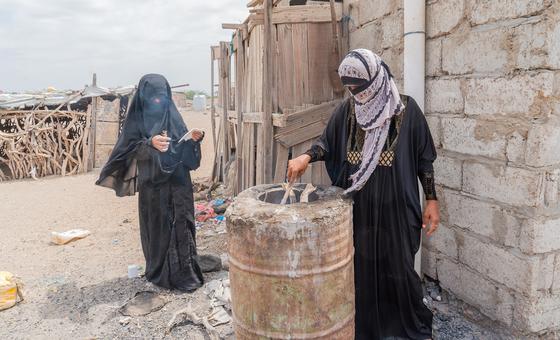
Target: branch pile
[43, 142]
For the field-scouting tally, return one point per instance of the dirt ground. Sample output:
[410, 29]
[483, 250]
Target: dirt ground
[75, 291]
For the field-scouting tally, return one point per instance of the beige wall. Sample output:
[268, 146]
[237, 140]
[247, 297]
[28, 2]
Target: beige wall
[493, 105]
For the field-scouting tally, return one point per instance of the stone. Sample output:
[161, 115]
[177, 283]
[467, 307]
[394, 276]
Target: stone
[473, 137]
[102, 153]
[435, 129]
[392, 30]
[143, 303]
[372, 10]
[444, 96]
[537, 45]
[444, 241]
[484, 11]
[556, 280]
[543, 144]
[429, 262]
[433, 57]
[513, 186]
[481, 218]
[516, 146]
[523, 95]
[209, 263]
[522, 273]
[493, 300]
[449, 172]
[537, 313]
[443, 16]
[539, 236]
[482, 51]
[106, 133]
[367, 36]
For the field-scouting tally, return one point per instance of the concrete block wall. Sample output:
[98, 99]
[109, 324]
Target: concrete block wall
[493, 105]
[106, 130]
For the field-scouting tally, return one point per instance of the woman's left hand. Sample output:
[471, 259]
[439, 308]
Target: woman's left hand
[431, 216]
[197, 136]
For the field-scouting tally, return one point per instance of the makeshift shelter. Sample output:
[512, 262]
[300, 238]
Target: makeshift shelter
[59, 133]
[284, 60]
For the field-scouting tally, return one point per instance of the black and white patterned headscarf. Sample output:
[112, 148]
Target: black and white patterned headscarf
[377, 100]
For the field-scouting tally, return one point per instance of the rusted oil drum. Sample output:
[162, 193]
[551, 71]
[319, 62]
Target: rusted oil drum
[291, 266]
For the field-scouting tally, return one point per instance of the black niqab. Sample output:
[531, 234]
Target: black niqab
[162, 179]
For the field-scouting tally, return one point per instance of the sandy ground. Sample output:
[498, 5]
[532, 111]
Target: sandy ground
[75, 290]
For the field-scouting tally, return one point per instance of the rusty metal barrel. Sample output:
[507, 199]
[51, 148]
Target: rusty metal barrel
[291, 266]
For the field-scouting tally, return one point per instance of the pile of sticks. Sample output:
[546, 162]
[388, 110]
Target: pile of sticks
[40, 143]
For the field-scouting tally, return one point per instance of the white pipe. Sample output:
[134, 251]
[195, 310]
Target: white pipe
[415, 65]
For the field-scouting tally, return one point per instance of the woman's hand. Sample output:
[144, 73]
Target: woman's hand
[431, 216]
[197, 135]
[160, 143]
[297, 167]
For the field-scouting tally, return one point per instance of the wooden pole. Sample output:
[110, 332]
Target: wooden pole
[93, 128]
[267, 133]
[225, 103]
[212, 107]
[239, 72]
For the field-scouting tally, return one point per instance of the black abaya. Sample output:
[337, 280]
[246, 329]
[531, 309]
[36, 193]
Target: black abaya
[165, 204]
[387, 225]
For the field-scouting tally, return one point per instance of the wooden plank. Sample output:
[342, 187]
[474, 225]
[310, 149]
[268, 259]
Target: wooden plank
[265, 147]
[301, 14]
[224, 85]
[232, 26]
[239, 72]
[212, 106]
[216, 52]
[319, 49]
[312, 114]
[285, 68]
[300, 135]
[281, 163]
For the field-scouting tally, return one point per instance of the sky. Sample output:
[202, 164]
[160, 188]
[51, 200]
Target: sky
[61, 43]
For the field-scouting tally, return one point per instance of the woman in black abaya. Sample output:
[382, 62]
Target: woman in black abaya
[377, 145]
[149, 159]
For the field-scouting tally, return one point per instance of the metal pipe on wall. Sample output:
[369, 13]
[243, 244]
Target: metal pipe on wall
[415, 65]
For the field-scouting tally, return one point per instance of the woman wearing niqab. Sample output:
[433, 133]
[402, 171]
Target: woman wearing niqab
[376, 146]
[161, 177]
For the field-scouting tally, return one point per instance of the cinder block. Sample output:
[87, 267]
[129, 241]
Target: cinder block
[102, 153]
[495, 301]
[393, 30]
[556, 282]
[526, 95]
[367, 36]
[513, 186]
[429, 262]
[107, 111]
[433, 57]
[435, 129]
[537, 45]
[484, 11]
[449, 172]
[516, 146]
[482, 218]
[522, 273]
[106, 132]
[394, 58]
[543, 144]
[473, 137]
[443, 240]
[444, 96]
[540, 236]
[372, 10]
[443, 16]
[539, 313]
[476, 52]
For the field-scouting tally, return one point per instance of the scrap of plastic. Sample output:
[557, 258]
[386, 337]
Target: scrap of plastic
[68, 236]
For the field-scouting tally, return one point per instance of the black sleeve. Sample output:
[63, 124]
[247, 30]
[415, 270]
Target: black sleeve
[426, 153]
[322, 148]
[191, 154]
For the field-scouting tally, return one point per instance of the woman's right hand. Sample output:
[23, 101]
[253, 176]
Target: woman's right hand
[297, 167]
[160, 143]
